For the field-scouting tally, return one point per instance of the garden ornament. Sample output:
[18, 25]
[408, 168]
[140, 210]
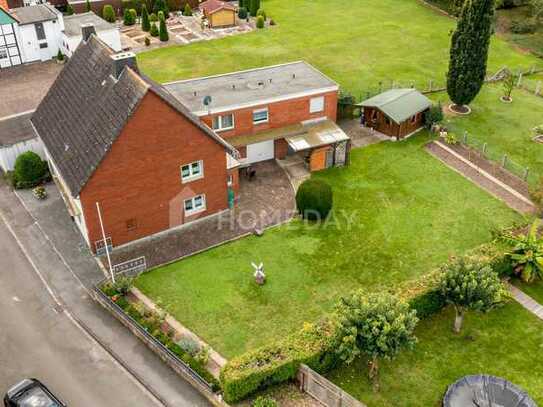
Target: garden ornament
[259, 275]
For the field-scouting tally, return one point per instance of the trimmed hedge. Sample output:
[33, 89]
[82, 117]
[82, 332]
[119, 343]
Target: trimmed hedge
[314, 198]
[279, 361]
[315, 346]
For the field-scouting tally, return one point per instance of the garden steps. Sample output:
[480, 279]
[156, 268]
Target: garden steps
[481, 178]
[526, 301]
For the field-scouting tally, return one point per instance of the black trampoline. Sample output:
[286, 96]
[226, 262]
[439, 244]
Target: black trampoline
[486, 391]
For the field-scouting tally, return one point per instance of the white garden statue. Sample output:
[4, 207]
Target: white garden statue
[260, 277]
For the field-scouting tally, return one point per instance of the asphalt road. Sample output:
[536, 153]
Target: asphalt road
[39, 340]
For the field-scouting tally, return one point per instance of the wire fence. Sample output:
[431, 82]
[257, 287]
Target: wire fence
[499, 158]
[433, 86]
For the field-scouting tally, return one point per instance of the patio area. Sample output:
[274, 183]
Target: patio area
[183, 30]
[264, 200]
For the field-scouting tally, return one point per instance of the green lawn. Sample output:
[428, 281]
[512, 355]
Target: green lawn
[410, 213]
[530, 82]
[357, 43]
[534, 290]
[507, 342]
[507, 128]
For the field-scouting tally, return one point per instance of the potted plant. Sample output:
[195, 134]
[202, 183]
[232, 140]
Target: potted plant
[60, 57]
[508, 85]
[39, 192]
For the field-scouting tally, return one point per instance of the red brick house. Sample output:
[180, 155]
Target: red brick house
[271, 112]
[122, 148]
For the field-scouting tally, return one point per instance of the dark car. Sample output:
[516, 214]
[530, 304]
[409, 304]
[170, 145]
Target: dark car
[31, 393]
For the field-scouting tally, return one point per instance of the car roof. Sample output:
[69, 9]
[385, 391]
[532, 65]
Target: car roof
[32, 393]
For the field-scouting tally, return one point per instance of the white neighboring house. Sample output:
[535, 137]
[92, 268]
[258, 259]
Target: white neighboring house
[39, 30]
[17, 136]
[10, 52]
[107, 32]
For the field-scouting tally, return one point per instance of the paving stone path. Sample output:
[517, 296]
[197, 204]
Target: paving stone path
[526, 301]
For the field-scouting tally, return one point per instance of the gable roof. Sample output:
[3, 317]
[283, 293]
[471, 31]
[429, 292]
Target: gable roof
[212, 6]
[5, 17]
[399, 104]
[34, 14]
[86, 109]
[72, 24]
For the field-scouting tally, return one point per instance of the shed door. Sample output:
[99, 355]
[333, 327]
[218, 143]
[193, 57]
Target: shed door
[260, 151]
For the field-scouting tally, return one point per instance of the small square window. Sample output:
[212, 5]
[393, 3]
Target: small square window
[195, 205]
[224, 122]
[260, 116]
[43, 45]
[316, 104]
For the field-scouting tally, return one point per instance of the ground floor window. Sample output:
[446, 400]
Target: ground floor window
[195, 205]
[3, 53]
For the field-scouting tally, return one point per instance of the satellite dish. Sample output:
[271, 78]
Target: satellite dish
[207, 100]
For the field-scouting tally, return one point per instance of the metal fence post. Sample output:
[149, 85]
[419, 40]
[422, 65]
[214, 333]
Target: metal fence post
[504, 160]
[465, 137]
[538, 88]
[519, 83]
[526, 173]
[431, 85]
[485, 145]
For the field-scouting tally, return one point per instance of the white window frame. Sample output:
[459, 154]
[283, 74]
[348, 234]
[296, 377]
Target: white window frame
[192, 176]
[194, 210]
[219, 119]
[316, 104]
[266, 120]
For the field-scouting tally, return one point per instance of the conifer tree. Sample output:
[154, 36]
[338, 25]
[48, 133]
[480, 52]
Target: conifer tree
[145, 24]
[162, 29]
[469, 52]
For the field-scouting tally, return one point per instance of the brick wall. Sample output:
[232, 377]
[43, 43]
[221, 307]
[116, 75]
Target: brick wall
[280, 114]
[139, 180]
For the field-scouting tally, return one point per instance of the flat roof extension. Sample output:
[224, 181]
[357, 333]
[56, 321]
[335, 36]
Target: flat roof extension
[252, 87]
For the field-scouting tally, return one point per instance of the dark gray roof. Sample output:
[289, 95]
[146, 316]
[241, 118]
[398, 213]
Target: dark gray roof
[34, 14]
[86, 109]
[16, 129]
[72, 24]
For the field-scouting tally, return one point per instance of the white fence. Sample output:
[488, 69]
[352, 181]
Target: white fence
[324, 391]
[8, 154]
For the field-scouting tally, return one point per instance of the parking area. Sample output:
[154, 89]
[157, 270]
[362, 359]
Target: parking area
[24, 86]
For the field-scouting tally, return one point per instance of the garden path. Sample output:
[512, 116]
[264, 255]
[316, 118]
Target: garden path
[526, 301]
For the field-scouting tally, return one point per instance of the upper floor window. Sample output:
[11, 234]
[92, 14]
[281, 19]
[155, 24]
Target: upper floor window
[195, 205]
[316, 104]
[223, 122]
[260, 116]
[192, 171]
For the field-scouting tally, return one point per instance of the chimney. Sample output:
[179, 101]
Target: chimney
[121, 60]
[87, 29]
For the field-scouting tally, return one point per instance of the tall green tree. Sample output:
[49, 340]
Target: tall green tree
[376, 325]
[469, 51]
[145, 23]
[254, 6]
[162, 29]
[88, 6]
[470, 285]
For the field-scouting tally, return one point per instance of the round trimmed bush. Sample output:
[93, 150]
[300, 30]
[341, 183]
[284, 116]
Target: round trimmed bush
[260, 22]
[108, 13]
[153, 18]
[30, 170]
[314, 199]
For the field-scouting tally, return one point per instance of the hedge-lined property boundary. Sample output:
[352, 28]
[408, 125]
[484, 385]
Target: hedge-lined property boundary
[314, 344]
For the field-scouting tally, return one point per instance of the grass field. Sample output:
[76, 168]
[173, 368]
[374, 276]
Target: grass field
[507, 128]
[356, 43]
[409, 214]
[506, 342]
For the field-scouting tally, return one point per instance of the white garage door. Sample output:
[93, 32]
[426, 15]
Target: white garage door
[260, 151]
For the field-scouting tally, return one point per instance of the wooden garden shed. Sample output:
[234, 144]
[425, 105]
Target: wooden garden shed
[219, 13]
[396, 113]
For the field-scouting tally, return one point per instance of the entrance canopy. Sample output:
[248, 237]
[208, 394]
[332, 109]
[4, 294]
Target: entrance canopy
[317, 134]
[399, 104]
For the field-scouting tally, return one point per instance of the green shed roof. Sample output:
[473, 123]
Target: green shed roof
[5, 18]
[399, 104]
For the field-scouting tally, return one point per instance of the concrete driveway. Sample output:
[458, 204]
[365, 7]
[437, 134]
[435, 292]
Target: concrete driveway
[23, 87]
